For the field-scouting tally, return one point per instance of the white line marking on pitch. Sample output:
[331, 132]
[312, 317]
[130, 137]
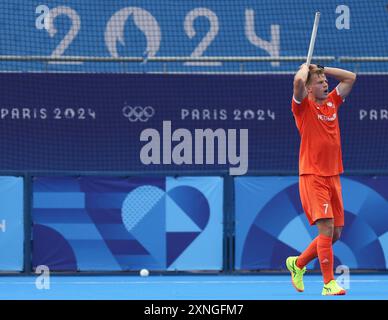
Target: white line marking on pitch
[176, 282]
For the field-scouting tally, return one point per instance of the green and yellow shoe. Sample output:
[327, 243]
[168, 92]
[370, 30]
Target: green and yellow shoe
[332, 289]
[296, 273]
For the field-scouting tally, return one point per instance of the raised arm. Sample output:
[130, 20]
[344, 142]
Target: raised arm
[345, 77]
[300, 83]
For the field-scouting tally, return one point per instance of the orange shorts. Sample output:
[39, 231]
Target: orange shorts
[322, 198]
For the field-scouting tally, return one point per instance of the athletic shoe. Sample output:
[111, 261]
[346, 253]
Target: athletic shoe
[332, 289]
[296, 273]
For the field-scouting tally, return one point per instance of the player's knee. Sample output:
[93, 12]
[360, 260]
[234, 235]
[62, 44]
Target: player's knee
[326, 227]
[336, 235]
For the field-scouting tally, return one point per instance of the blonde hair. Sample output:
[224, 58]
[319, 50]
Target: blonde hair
[318, 72]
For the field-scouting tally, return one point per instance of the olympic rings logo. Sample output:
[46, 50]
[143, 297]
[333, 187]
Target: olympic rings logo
[138, 113]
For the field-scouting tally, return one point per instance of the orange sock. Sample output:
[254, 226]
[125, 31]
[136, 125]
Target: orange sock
[309, 254]
[325, 255]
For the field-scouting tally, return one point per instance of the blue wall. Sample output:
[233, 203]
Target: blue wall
[183, 223]
[118, 224]
[271, 225]
[11, 223]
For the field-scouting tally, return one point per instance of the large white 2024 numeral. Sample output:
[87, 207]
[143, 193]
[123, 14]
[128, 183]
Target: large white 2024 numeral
[147, 24]
[272, 46]
[209, 37]
[143, 20]
[68, 39]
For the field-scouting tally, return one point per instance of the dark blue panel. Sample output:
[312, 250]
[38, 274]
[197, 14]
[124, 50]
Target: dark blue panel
[93, 133]
[264, 239]
[51, 249]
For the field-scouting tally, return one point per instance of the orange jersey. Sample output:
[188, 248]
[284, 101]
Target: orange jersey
[320, 147]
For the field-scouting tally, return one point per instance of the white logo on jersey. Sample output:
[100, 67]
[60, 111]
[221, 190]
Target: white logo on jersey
[330, 104]
[326, 118]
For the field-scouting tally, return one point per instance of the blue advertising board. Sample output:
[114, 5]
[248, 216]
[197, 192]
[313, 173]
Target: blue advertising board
[166, 123]
[154, 28]
[121, 223]
[271, 224]
[11, 223]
